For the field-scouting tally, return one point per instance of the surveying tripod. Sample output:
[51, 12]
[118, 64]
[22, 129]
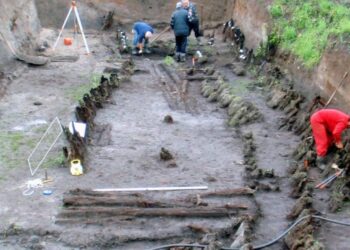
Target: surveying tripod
[75, 9]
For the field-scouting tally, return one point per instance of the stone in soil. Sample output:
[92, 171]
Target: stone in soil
[165, 155]
[168, 119]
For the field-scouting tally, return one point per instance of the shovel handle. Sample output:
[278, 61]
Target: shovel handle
[324, 181]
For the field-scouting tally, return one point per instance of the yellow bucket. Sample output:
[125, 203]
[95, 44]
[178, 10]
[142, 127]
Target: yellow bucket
[76, 168]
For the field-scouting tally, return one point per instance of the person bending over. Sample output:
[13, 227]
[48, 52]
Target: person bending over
[142, 33]
[327, 126]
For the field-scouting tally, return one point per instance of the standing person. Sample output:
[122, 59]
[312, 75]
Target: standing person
[192, 18]
[179, 24]
[327, 126]
[142, 33]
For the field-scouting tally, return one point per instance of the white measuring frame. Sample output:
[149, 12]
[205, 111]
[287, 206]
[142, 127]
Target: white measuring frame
[33, 170]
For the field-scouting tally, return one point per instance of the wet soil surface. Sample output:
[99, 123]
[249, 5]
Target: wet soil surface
[274, 149]
[125, 153]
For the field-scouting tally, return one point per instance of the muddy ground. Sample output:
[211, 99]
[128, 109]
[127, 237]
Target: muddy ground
[206, 151]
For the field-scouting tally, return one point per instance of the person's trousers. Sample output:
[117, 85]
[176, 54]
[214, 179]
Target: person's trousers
[136, 38]
[323, 139]
[194, 25]
[181, 44]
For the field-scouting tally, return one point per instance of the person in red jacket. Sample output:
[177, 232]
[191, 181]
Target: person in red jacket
[327, 126]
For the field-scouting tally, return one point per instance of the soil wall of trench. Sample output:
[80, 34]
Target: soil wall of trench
[22, 21]
[126, 12]
[19, 25]
[254, 20]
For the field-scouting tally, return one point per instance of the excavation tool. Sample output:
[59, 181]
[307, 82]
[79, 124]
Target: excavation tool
[74, 9]
[160, 34]
[337, 88]
[330, 179]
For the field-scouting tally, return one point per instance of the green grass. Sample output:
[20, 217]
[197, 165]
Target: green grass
[10, 144]
[305, 26]
[77, 93]
[16, 146]
[240, 86]
[276, 10]
[54, 161]
[168, 61]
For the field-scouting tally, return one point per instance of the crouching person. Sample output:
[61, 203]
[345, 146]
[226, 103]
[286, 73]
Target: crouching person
[180, 25]
[327, 127]
[142, 33]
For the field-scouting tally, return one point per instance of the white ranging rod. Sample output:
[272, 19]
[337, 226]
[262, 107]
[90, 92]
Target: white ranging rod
[150, 189]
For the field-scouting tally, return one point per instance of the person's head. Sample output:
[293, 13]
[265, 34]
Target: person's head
[148, 34]
[179, 5]
[185, 3]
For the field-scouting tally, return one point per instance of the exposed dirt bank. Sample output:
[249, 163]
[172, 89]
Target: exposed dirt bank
[255, 21]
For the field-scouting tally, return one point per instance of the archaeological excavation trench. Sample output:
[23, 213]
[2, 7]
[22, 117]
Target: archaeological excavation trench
[231, 126]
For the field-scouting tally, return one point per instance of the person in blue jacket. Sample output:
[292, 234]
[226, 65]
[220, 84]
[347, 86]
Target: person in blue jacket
[180, 25]
[142, 33]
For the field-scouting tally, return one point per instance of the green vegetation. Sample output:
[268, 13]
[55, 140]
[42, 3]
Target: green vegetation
[54, 161]
[16, 146]
[168, 61]
[306, 25]
[10, 143]
[78, 92]
[240, 86]
[268, 48]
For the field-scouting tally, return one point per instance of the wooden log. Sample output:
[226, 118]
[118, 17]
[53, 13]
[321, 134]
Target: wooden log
[88, 201]
[89, 192]
[83, 200]
[201, 78]
[103, 212]
[229, 192]
[165, 189]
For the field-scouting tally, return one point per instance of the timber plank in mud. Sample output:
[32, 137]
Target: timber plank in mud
[102, 212]
[91, 205]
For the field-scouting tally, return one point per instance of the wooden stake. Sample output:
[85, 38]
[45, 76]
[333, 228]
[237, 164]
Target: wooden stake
[337, 88]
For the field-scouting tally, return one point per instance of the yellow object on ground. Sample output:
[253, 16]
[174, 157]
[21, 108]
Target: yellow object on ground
[76, 168]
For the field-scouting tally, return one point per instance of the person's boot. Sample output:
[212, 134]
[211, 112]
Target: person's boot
[134, 51]
[146, 50]
[321, 162]
[177, 57]
[182, 57]
[199, 41]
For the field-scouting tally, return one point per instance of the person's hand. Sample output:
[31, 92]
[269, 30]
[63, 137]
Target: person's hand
[339, 145]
